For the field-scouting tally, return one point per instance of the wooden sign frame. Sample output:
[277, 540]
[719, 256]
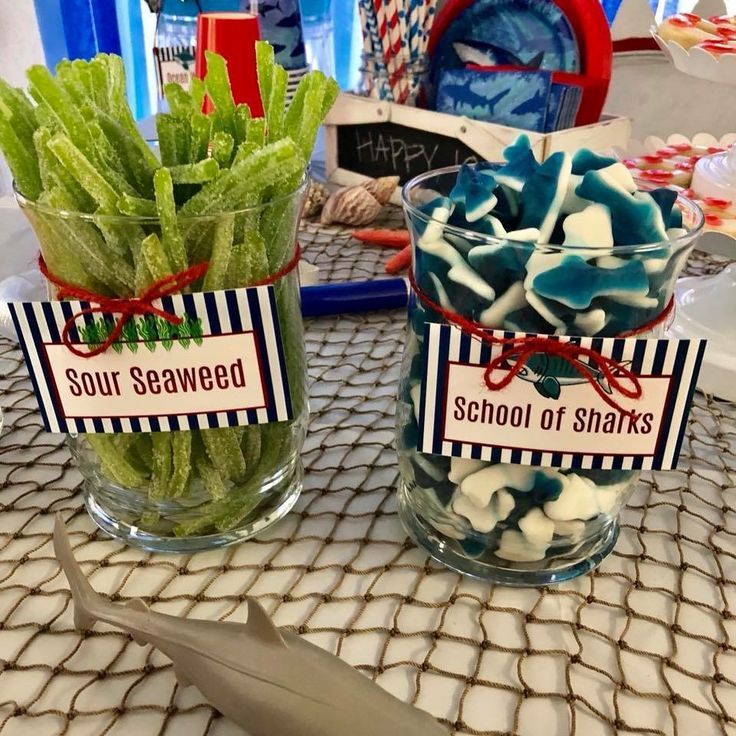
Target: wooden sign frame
[485, 140]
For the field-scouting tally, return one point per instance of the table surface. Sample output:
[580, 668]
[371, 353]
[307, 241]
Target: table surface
[645, 645]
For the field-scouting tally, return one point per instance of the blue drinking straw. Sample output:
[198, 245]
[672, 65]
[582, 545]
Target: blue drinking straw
[354, 296]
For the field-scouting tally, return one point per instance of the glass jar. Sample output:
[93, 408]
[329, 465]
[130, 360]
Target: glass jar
[516, 525]
[190, 490]
[401, 80]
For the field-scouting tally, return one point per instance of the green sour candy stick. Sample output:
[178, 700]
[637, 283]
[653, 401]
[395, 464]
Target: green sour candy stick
[180, 101]
[200, 126]
[54, 175]
[172, 240]
[118, 237]
[197, 90]
[113, 461]
[275, 114]
[264, 65]
[62, 262]
[118, 174]
[21, 160]
[161, 470]
[136, 163]
[311, 117]
[68, 78]
[292, 119]
[332, 90]
[221, 248]
[245, 149]
[120, 110]
[222, 148]
[223, 449]
[218, 89]
[242, 116]
[250, 176]
[251, 444]
[256, 132]
[97, 71]
[181, 448]
[155, 257]
[209, 475]
[22, 115]
[173, 139]
[60, 106]
[83, 238]
[143, 278]
[240, 266]
[103, 150]
[137, 206]
[87, 174]
[199, 173]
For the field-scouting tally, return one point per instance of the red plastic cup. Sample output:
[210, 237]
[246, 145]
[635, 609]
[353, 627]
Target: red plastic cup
[233, 36]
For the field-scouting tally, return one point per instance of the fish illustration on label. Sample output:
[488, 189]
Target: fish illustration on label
[549, 373]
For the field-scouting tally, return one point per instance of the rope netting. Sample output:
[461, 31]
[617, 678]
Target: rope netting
[645, 645]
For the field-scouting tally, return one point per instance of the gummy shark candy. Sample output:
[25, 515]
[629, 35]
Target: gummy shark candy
[474, 191]
[543, 194]
[520, 164]
[585, 160]
[575, 283]
[635, 219]
[431, 241]
[590, 227]
[672, 215]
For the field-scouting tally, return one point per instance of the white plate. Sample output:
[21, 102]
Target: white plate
[719, 244]
[699, 63]
[706, 308]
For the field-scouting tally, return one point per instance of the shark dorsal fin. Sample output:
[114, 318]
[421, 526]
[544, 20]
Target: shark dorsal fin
[137, 605]
[260, 625]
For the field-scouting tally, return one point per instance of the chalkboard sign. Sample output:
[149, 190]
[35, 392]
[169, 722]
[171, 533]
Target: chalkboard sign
[388, 149]
[366, 137]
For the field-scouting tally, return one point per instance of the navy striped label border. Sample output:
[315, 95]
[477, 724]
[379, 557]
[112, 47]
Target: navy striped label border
[446, 346]
[249, 312]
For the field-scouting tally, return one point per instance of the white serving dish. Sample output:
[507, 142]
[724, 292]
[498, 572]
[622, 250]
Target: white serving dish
[699, 63]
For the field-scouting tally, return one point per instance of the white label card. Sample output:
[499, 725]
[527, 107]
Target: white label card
[175, 64]
[223, 366]
[550, 415]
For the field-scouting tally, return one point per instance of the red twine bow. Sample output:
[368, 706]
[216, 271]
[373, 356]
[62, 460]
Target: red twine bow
[521, 349]
[136, 306]
[126, 308]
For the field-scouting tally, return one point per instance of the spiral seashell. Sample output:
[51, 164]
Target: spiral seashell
[382, 188]
[353, 206]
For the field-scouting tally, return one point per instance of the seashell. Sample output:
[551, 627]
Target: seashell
[316, 198]
[350, 206]
[382, 188]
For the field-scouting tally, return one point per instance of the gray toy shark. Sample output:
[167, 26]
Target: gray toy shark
[269, 681]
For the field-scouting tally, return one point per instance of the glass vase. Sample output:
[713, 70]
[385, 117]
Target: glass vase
[191, 490]
[521, 525]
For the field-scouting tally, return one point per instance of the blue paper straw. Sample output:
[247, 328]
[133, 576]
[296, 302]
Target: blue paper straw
[354, 296]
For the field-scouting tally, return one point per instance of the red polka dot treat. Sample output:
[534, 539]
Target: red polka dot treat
[701, 173]
[716, 35]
